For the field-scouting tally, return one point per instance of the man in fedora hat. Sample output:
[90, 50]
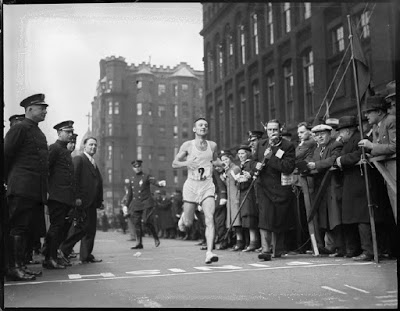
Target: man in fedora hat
[25, 170]
[355, 214]
[391, 97]
[61, 193]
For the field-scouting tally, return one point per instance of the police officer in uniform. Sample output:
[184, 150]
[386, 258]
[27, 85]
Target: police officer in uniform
[61, 192]
[140, 202]
[26, 171]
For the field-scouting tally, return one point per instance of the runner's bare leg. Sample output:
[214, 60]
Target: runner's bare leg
[208, 206]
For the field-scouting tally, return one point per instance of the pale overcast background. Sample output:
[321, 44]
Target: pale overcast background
[55, 49]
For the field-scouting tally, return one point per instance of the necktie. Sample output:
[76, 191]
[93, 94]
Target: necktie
[94, 163]
[321, 152]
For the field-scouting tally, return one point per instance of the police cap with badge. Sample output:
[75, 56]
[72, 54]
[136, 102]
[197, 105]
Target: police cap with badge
[64, 126]
[253, 135]
[136, 163]
[37, 99]
[16, 117]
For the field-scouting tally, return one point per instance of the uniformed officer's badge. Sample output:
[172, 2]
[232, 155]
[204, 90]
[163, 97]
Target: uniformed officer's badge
[141, 182]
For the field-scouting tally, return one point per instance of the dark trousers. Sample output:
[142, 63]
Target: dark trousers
[57, 213]
[86, 233]
[220, 221]
[148, 217]
[20, 215]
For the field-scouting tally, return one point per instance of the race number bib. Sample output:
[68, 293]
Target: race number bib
[201, 173]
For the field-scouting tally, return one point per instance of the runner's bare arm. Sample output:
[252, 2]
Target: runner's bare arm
[215, 160]
[180, 158]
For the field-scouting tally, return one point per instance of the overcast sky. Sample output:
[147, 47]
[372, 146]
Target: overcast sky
[55, 49]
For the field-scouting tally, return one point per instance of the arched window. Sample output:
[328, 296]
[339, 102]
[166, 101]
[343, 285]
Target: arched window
[110, 129]
[271, 95]
[139, 128]
[242, 42]
[254, 33]
[308, 69]
[289, 84]
[229, 50]
[270, 24]
[110, 107]
[116, 108]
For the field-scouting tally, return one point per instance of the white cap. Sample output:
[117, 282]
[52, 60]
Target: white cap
[321, 127]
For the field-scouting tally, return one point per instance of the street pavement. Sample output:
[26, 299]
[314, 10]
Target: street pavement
[174, 275]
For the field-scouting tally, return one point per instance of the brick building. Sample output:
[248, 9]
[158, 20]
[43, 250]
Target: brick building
[143, 112]
[277, 60]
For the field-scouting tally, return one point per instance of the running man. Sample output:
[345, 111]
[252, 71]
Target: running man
[198, 156]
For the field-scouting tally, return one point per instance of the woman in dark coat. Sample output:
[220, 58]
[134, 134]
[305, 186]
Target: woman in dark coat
[249, 210]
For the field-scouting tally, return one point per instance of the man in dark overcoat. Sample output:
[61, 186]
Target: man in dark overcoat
[140, 202]
[89, 198]
[354, 198]
[61, 192]
[329, 210]
[25, 171]
[274, 190]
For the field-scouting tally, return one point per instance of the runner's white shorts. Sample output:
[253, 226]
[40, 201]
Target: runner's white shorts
[196, 191]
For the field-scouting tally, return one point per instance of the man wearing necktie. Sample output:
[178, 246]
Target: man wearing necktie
[89, 197]
[329, 211]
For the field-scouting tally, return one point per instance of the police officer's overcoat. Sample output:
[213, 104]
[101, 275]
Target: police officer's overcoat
[139, 193]
[61, 176]
[26, 158]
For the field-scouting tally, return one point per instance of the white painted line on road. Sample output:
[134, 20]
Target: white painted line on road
[145, 272]
[358, 263]
[79, 276]
[258, 265]
[147, 303]
[386, 304]
[391, 291]
[107, 275]
[355, 288]
[333, 290]
[176, 270]
[384, 297]
[229, 267]
[389, 301]
[298, 263]
[74, 276]
[172, 274]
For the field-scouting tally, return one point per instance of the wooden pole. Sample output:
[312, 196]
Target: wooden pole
[363, 156]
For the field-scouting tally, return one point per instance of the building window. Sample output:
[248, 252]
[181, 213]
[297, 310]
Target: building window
[109, 153]
[364, 24]
[288, 76]
[200, 92]
[175, 86]
[256, 104]
[162, 130]
[109, 174]
[220, 61]
[271, 95]
[233, 120]
[161, 111]
[161, 153]
[139, 128]
[139, 108]
[210, 66]
[229, 47]
[110, 107]
[255, 33]
[116, 108]
[110, 84]
[243, 110]
[185, 131]
[175, 111]
[270, 25]
[175, 176]
[307, 10]
[185, 87]
[162, 175]
[337, 40]
[221, 120]
[139, 84]
[185, 110]
[139, 152]
[286, 18]
[242, 39]
[161, 89]
[175, 131]
[308, 65]
[109, 129]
